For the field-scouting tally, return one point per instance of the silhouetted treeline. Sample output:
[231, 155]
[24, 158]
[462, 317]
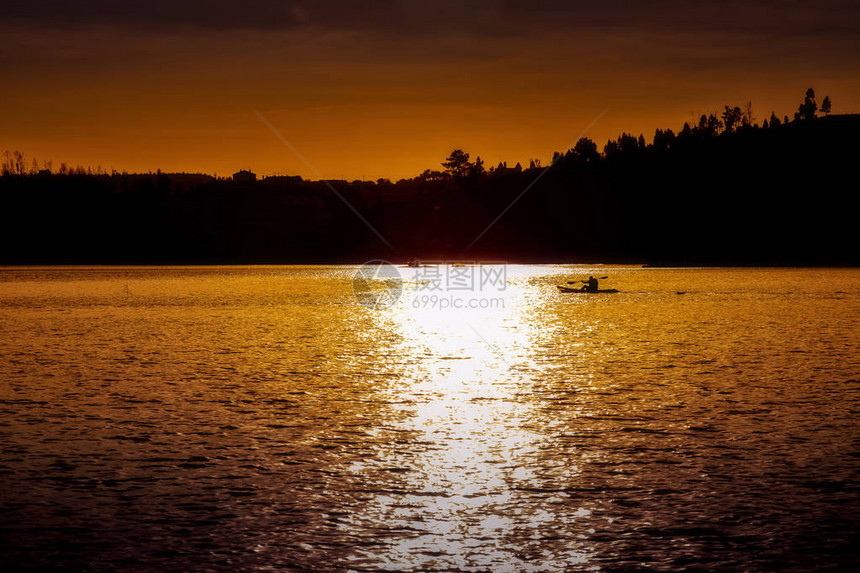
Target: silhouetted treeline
[722, 191]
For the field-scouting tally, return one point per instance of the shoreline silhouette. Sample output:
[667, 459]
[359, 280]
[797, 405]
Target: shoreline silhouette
[723, 192]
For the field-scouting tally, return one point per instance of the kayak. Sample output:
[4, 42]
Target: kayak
[565, 289]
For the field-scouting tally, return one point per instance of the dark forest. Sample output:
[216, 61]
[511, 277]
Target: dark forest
[722, 191]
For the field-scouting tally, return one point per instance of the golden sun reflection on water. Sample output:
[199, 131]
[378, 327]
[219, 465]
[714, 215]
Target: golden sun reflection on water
[263, 419]
[466, 405]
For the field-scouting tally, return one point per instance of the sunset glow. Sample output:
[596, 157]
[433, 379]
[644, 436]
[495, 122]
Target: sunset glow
[388, 89]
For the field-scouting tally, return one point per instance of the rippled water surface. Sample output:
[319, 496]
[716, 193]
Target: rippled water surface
[261, 419]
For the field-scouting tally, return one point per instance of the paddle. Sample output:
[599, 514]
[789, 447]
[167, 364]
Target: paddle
[574, 282]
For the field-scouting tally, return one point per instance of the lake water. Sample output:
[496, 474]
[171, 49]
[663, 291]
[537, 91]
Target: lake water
[260, 418]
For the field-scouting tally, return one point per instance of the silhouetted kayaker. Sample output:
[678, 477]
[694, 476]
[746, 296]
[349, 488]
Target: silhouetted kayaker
[590, 285]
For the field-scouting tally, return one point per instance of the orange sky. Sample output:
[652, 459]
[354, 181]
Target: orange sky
[387, 89]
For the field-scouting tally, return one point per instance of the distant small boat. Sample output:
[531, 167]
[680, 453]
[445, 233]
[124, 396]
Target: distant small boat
[565, 289]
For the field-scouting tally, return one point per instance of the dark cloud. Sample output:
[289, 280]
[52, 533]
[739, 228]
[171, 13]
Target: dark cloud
[430, 16]
[154, 13]
[523, 37]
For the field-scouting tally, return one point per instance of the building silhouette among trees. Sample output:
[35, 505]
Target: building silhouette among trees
[244, 176]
